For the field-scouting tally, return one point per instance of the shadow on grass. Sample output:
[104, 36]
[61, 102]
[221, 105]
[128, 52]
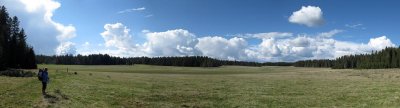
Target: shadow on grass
[58, 96]
[63, 96]
[51, 98]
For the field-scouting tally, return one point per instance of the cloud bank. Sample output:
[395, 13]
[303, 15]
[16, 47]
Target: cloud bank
[274, 46]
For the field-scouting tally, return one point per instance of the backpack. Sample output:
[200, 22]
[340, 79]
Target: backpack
[39, 75]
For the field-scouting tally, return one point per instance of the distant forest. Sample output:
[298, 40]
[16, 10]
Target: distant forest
[14, 51]
[187, 61]
[386, 58]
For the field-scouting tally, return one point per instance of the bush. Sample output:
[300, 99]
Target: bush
[17, 73]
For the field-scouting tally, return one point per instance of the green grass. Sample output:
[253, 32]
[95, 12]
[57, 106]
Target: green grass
[227, 86]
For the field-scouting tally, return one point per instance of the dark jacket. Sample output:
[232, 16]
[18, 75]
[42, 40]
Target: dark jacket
[45, 77]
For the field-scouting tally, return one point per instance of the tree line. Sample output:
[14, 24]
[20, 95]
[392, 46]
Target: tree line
[325, 63]
[105, 59]
[386, 58]
[14, 51]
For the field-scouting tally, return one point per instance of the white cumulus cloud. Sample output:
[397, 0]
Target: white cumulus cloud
[176, 42]
[310, 16]
[374, 44]
[36, 17]
[66, 48]
[380, 42]
[117, 35]
[219, 47]
[118, 41]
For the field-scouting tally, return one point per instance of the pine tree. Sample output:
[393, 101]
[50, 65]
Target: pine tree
[13, 47]
[4, 37]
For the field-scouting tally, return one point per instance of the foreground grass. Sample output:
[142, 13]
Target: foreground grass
[228, 86]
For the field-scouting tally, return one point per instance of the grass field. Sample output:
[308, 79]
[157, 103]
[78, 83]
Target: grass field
[227, 86]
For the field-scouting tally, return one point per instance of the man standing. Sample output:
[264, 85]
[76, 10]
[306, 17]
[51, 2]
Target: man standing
[45, 80]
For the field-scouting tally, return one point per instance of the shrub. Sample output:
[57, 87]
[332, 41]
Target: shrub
[17, 73]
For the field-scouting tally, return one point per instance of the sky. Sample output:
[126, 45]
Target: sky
[256, 30]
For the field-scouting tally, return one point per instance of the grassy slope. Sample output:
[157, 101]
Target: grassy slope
[230, 86]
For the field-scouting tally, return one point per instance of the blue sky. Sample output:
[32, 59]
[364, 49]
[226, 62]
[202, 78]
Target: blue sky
[362, 26]
[227, 17]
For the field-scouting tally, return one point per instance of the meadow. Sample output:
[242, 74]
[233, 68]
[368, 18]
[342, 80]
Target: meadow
[196, 87]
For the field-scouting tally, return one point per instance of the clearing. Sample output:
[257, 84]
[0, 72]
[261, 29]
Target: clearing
[226, 86]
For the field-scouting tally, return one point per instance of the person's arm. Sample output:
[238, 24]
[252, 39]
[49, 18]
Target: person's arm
[47, 77]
